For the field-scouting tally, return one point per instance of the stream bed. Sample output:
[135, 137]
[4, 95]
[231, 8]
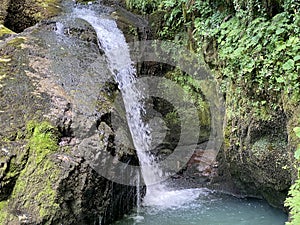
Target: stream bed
[204, 207]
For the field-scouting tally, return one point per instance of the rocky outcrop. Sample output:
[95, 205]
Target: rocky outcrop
[56, 101]
[257, 156]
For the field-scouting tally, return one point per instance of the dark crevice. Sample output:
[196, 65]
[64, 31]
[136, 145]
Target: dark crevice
[106, 118]
[16, 18]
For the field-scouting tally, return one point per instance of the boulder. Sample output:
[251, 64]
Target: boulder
[56, 101]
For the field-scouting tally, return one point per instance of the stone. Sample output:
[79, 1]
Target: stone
[54, 98]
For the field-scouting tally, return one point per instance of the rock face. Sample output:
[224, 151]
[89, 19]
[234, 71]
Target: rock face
[56, 101]
[257, 156]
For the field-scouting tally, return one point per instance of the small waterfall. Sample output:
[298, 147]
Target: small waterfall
[113, 42]
[138, 216]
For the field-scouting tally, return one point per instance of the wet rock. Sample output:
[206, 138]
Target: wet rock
[135, 27]
[54, 108]
[257, 156]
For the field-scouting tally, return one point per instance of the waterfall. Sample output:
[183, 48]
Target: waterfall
[113, 43]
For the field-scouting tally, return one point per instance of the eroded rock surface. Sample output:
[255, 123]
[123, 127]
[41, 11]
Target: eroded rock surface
[56, 98]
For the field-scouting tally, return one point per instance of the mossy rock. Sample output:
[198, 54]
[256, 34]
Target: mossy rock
[35, 187]
[133, 26]
[50, 102]
[5, 32]
[258, 158]
[23, 14]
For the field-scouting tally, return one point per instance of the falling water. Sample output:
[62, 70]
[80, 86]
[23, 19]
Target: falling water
[138, 193]
[162, 205]
[113, 42]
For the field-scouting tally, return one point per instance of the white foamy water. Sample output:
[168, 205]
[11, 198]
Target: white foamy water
[172, 198]
[209, 208]
[59, 28]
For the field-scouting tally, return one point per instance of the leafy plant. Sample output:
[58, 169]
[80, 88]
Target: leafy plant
[293, 201]
[143, 6]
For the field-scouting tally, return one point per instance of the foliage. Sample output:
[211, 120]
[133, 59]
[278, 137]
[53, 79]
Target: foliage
[297, 153]
[143, 6]
[255, 50]
[293, 201]
[261, 59]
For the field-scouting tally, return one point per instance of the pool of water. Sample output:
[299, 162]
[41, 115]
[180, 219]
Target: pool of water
[204, 207]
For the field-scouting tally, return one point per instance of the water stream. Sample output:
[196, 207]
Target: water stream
[113, 42]
[163, 205]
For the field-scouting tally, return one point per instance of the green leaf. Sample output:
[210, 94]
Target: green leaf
[297, 153]
[280, 79]
[288, 65]
[280, 31]
[297, 57]
[280, 46]
[297, 131]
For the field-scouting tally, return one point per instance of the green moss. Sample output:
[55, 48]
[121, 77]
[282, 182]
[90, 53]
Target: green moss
[172, 118]
[3, 214]
[16, 165]
[46, 9]
[17, 42]
[265, 145]
[194, 90]
[47, 198]
[43, 140]
[5, 31]
[34, 190]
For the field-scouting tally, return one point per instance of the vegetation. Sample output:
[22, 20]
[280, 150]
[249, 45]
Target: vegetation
[253, 49]
[253, 46]
[293, 201]
[42, 141]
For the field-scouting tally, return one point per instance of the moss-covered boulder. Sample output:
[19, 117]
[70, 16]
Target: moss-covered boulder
[56, 97]
[257, 155]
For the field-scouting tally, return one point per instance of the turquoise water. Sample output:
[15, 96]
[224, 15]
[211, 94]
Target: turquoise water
[206, 208]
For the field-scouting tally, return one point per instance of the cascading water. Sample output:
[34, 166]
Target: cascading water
[113, 42]
[161, 204]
